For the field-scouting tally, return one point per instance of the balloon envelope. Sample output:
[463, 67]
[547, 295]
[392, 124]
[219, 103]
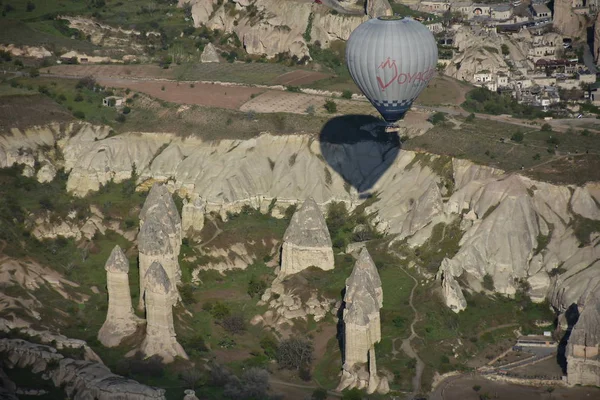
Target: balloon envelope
[391, 60]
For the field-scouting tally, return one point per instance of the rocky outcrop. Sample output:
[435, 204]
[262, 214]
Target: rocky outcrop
[378, 8]
[453, 295]
[362, 327]
[160, 333]
[479, 52]
[209, 54]
[159, 239]
[286, 305]
[567, 22]
[120, 319]
[583, 360]
[192, 216]
[26, 51]
[80, 379]
[306, 241]
[271, 27]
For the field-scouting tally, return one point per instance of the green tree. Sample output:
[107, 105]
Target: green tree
[505, 49]
[517, 137]
[330, 106]
[488, 282]
[346, 94]
[319, 394]
[546, 128]
[438, 118]
[30, 6]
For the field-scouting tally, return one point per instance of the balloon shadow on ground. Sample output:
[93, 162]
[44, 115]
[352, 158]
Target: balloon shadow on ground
[360, 156]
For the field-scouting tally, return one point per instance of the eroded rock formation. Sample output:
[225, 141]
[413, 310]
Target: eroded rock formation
[160, 237]
[567, 22]
[192, 216]
[362, 327]
[583, 359]
[209, 54]
[80, 379]
[306, 241]
[120, 319]
[160, 334]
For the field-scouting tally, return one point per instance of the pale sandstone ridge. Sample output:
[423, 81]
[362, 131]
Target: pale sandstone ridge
[120, 319]
[583, 360]
[159, 239]
[160, 333]
[271, 27]
[306, 241]
[362, 327]
[80, 379]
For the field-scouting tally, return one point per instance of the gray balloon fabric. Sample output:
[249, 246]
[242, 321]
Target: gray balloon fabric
[391, 60]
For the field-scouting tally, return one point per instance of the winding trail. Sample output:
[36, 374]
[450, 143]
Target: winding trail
[406, 346]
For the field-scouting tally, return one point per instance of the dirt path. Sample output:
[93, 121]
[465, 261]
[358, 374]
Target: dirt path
[218, 231]
[406, 346]
[483, 332]
[304, 392]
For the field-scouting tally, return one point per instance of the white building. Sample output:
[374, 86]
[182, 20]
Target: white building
[501, 12]
[540, 11]
[113, 101]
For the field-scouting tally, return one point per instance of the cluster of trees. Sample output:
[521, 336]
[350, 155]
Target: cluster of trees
[482, 100]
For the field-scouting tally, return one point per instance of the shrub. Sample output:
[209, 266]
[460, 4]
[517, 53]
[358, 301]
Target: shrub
[256, 287]
[294, 89]
[330, 106]
[553, 140]
[269, 345]
[78, 97]
[517, 137]
[505, 49]
[546, 128]
[162, 88]
[87, 82]
[488, 282]
[79, 114]
[126, 110]
[319, 394]
[347, 94]
[187, 294]
[310, 110]
[234, 324]
[120, 118]
[34, 72]
[219, 310]
[470, 118]
[18, 63]
[30, 6]
[438, 118]
[295, 354]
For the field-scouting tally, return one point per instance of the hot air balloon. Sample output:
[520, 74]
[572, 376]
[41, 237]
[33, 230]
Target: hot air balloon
[391, 59]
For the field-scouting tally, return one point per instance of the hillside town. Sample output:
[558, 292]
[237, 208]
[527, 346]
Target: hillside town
[517, 48]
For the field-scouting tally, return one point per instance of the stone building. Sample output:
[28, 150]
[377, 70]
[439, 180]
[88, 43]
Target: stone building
[306, 241]
[362, 327]
[583, 360]
[160, 333]
[120, 319]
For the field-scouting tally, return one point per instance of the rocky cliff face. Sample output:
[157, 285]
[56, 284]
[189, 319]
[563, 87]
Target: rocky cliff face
[271, 27]
[596, 49]
[567, 22]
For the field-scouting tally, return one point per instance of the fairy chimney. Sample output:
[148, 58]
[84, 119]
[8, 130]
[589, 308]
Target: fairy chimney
[154, 245]
[192, 216]
[120, 319]
[159, 205]
[583, 347]
[160, 334]
[306, 241]
[160, 237]
[362, 327]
